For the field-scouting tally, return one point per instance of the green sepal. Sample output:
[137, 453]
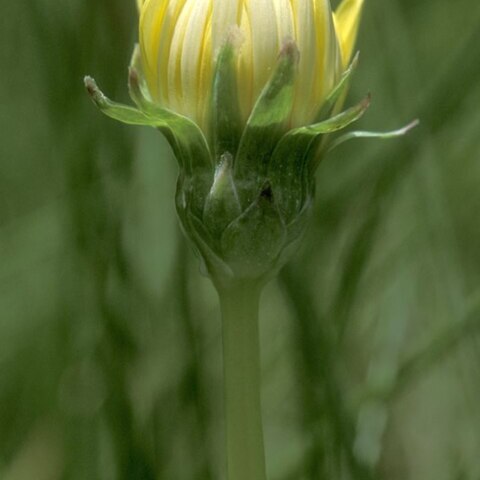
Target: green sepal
[336, 97]
[222, 204]
[188, 144]
[117, 111]
[252, 244]
[378, 135]
[186, 139]
[266, 125]
[296, 229]
[289, 176]
[186, 132]
[202, 242]
[333, 104]
[333, 124]
[299, 223]
[226, 117]
[291, 167]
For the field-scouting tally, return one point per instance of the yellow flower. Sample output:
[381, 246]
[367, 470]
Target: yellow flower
[180, 39]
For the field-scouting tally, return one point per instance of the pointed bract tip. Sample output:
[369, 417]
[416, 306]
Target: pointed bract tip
[90, 85]
[367, 101]
[412, 125]
[404, 130]
[235, 37]
[136, 55]
[134, 86]
[133, 77]
[290, 49]
[92, 88]
[232, 42]
[354, 62]
[226, 159]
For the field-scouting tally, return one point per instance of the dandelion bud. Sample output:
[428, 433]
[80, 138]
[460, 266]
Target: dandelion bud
[242, 91]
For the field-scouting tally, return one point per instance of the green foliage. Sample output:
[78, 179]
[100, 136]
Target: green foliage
[110, 362]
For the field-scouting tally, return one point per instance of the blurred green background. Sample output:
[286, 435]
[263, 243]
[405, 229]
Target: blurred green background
[110, 354]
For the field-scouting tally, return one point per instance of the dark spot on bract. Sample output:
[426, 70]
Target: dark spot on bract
[267, 193]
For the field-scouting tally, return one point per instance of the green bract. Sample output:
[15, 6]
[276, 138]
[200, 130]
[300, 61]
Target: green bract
[244, 193]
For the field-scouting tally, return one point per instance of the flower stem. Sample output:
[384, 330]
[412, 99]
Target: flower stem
[241, 356]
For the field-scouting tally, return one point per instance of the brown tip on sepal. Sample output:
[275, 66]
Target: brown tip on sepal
[92, 89]
[133, 76]
[135, 88]
[134, 81]
[290, 50]
[367, 101]
[90, 85]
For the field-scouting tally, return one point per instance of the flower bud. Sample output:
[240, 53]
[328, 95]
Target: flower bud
[243, 91]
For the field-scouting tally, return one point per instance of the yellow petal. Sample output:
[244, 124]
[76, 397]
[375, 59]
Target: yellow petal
[152, 18]
[319, 66]
[174, 69]
[180, 39]
[305, 27]
[347, 19]
[245, 70]
[285, 20]
[168, 65]
[226, 15]
[265, 46]
[328, 55]
[193, 49]
[205, 74]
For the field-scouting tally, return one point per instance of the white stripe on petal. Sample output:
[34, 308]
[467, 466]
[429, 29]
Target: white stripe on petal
[285, 20]
[151, 23]
[174, 68]
[245, 66]
[165, 37]
[308, 66]
[328, 50]
[263, 23]
[193, 48]
[226, 14]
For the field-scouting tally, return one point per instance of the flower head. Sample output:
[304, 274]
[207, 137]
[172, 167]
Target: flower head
[180, 41]
[248, 93]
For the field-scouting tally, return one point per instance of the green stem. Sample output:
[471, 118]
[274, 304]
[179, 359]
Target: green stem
[241, 356]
